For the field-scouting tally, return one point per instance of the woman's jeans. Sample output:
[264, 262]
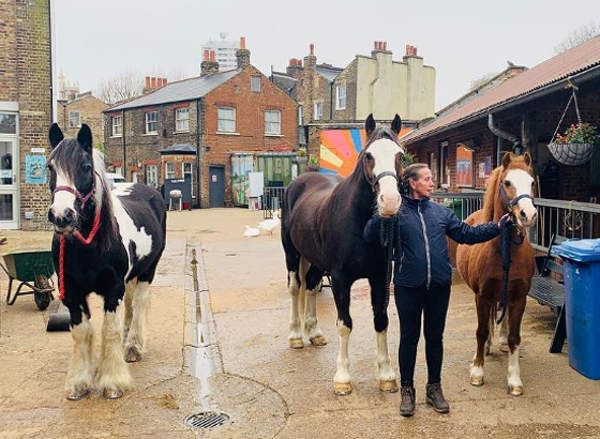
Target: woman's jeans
[411, 304]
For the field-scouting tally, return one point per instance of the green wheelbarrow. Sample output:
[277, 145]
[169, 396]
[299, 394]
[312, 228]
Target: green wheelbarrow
[33, 271]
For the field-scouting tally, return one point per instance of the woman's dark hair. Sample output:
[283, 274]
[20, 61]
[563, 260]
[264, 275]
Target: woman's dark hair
[411, 172]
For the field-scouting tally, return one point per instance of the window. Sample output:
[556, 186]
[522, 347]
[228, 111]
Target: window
[340, 97]
[444, 169]
[8, 123]
[433, 165]
[151, 122]
[318, 111]
[74, 119]
[255, 84]
[226, 120]
[169, 170]
[272, 122]
[187, 172]
[464, 166]
[182, 120]
[152, 175]
[117, 126]
[300, 115]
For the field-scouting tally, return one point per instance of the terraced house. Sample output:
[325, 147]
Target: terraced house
[190, 129]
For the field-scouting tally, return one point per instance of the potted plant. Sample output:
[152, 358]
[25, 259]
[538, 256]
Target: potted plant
[575, 146]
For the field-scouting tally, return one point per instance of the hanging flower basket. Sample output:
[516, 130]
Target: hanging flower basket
[575, 146]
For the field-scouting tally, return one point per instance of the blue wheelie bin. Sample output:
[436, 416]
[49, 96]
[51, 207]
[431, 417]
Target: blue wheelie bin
[582, 303]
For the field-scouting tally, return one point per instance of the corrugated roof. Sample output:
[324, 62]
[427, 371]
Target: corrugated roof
[187, 89]
[561, 66]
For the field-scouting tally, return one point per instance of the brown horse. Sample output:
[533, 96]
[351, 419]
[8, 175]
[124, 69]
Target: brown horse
[509, 190]
[322, 224]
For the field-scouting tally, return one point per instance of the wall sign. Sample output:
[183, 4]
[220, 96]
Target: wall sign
[35, 169]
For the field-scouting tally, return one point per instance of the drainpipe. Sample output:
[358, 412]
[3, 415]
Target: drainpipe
[331, 103]
[517, 146]
[198, 153]
[123, 134]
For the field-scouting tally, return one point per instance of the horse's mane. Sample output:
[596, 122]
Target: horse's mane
[516, 161]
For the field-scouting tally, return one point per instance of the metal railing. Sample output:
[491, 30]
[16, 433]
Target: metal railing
[271, 201]
[568, 219]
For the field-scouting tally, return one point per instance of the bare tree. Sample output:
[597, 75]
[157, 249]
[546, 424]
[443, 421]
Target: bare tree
[578, 36]
[122, 87]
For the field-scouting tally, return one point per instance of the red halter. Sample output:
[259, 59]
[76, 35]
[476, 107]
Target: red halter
[77, 234]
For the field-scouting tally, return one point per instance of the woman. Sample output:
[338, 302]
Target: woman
[422, 278]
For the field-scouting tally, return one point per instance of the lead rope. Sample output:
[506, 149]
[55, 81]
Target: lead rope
[505, 242]
[386, 239]
[61, 253]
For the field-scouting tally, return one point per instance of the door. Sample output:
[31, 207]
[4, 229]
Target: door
[8, 183]
[216, 186]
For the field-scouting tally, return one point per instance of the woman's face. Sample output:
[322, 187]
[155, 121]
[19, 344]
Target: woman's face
[423, 186]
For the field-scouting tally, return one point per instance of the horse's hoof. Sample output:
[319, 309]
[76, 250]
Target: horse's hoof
[342, 389]
[132, 355]
[515, 390]
[77, 394]
[318, 340]
[477, 381]
[112, 393]
[296, 343]
[503, 348]
[390, 386]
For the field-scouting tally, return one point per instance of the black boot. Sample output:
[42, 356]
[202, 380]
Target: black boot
[435, 398]
[407, 406]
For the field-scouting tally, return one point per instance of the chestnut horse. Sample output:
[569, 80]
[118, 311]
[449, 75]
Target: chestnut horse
[509, 190]
[322, 224]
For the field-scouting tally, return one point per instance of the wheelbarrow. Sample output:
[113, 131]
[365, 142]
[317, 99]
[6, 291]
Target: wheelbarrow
[33, 271]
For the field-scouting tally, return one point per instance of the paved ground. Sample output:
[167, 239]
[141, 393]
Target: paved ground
[268, 389]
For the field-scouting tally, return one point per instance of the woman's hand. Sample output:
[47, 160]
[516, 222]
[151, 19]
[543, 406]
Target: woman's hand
[505, 219]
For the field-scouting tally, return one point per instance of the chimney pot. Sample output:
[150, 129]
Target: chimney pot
[242, 42]
[147, 82]
[206, 55]
[312, 49]
[385, 45]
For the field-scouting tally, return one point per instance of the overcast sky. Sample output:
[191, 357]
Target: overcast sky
[463, 40]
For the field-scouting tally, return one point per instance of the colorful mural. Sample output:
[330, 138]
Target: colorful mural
[340, 148]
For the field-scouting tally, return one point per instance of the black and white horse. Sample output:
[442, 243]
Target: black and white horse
[107, 242]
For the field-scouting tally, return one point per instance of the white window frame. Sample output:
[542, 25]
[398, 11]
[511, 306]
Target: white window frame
[191, 173]
[300, 115]
[152, 175]
[340, 97]
[317, 110]
[169, 173]
[182, 124]
[255, 84]
[222, 121]
[272, 125]
[71, 124]
[117, 128]
[150, 122]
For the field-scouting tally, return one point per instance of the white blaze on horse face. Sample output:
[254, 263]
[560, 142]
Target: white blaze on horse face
[63, 200]
[384, 153]
[523, 183]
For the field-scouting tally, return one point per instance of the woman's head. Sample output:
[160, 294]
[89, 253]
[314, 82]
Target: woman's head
[417, 181]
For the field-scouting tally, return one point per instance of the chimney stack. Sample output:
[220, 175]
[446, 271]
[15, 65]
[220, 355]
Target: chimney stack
[152, 83]
[310, 61]
[242, 54]
[209, 64]
[294, 68]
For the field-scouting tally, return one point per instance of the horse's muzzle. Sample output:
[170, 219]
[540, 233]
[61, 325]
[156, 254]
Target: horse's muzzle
[63, 222]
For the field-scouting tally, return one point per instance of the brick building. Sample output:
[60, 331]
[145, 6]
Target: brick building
[334, 98]
[25, 112]
[462, 150]
[217, 113]
[83, 108]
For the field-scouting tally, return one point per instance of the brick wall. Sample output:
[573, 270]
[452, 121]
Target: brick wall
[347, 77]
[25, 77]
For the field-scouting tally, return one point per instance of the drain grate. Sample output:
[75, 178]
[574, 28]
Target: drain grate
[206, 420]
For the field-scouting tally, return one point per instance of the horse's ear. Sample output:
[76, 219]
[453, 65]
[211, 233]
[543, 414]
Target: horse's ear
[506, 159]
[55, 135]
[369, 125]
[396, 125]
[527, 158]
[84, 137]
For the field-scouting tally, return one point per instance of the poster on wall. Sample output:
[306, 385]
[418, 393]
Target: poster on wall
[35, 169]
[464, 166]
